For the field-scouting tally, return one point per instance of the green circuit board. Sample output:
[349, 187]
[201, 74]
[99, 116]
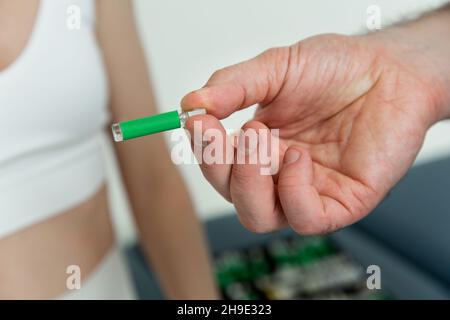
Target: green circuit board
[292, 268]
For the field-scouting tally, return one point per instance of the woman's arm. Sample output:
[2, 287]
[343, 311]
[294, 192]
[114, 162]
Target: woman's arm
[168, 228]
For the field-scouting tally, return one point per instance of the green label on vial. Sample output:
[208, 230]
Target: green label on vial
[150, 125]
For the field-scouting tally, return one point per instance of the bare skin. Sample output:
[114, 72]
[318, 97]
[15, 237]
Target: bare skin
[33, 261]
[352, 111]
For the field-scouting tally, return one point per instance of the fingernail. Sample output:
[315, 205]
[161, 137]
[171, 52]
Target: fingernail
[291, 156]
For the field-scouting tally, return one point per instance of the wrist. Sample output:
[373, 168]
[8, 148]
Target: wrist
[423, 47]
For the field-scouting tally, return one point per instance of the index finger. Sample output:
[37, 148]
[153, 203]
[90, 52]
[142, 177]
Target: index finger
[257, 80]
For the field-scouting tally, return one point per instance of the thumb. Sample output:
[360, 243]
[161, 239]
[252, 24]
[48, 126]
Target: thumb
[241, 85]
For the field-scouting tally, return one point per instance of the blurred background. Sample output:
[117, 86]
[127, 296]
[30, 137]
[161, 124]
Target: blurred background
[185, 41]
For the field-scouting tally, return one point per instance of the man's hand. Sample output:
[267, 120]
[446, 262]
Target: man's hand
[352, 114]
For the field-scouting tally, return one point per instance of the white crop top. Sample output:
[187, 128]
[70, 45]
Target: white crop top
[53, 101]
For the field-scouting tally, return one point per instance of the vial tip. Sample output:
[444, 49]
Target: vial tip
[196, 112]
[117, 132]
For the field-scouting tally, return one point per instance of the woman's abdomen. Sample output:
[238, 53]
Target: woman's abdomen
[34, 262]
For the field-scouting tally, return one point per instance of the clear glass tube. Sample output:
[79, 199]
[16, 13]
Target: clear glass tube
[153, 124]
[184, 116]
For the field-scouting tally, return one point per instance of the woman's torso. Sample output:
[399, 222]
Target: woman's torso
[53, 93]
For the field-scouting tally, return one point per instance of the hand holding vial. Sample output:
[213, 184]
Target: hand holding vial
[352, 112]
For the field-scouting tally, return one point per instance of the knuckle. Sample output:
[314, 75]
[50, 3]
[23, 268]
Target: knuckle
[242, 179]
[219, 75]
[243, 175]
[271, 52]
[287, 182]
[275, 52]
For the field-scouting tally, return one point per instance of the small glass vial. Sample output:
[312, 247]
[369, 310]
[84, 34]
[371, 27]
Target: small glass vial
[140, 127]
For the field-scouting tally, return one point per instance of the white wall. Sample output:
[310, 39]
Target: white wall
[186, 41]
